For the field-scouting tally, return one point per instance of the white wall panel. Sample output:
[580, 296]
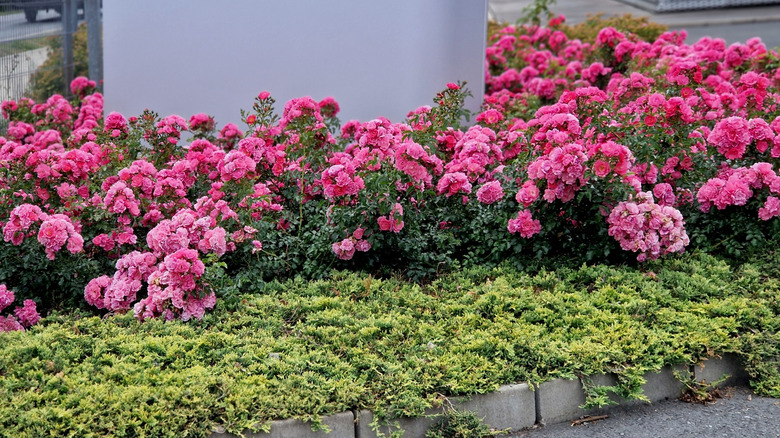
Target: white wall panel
[376, 58]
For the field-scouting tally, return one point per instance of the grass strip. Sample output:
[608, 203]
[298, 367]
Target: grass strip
[23, 45]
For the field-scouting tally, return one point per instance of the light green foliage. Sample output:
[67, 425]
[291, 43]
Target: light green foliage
[536, 12]
[307, 349]
[698, 391]
[459, 424]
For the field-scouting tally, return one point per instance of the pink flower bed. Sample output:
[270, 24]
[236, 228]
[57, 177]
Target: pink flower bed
[623, 138]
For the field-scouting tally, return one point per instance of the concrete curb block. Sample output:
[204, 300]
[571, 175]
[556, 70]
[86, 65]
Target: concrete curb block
[713, 369]
[340, 425]
[511, 407]
[516, 406]
[663, 385]
[411, 427]
[560, 400]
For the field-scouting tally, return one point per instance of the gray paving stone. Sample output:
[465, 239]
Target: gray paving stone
[341, 426]
[711, 370]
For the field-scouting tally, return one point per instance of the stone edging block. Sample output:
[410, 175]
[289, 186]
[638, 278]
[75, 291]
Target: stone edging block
[511, 407]
[414, 427]
[658, 386]
[341, 426]
[560, 400]
[711, 370]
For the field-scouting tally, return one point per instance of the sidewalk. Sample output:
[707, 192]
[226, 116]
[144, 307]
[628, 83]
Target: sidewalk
[731, 24]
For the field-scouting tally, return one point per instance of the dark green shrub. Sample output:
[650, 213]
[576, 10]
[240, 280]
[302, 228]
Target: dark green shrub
[642, 27]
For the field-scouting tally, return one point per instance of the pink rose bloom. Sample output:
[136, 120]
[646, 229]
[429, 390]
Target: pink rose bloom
[762, 133]
[28, 314]
[9, 324]
[236, 165]
[120, 199]
[230, 132]
[6, 297]
[115, 121]
[362, 245]
[524, 224]
[214, 241]
[642, 226]
[452, 183]
[415, 161]
[527, 194]
[490, 117]
[609, 37]
[664, 193]
[196, 307]
[329, 107]
[202, 122]
[95, 289]
[391, 224]
[66, 190]
[81, 85]
[601, 168]
[345, 249]
[490, 192]
[770, 209]
[341, 180]
[21, 218]
[731, 137]
[53, 234]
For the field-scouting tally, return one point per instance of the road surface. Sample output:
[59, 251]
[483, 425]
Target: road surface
[15, 27]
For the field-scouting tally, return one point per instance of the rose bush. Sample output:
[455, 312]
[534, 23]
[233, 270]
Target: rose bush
[581, 149]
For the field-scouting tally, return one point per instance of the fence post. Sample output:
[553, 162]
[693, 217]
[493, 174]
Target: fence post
[94, 41]
[69, 23]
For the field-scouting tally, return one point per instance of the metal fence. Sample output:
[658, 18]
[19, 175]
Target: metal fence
[44, 44]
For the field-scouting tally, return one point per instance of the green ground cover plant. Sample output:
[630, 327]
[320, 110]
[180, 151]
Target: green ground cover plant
[306, 349]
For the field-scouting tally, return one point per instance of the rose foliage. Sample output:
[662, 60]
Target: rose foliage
[610, 150]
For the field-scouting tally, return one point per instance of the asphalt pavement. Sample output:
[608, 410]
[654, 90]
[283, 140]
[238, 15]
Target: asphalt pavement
[13, 26]
[738, 414]
[734, 24]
